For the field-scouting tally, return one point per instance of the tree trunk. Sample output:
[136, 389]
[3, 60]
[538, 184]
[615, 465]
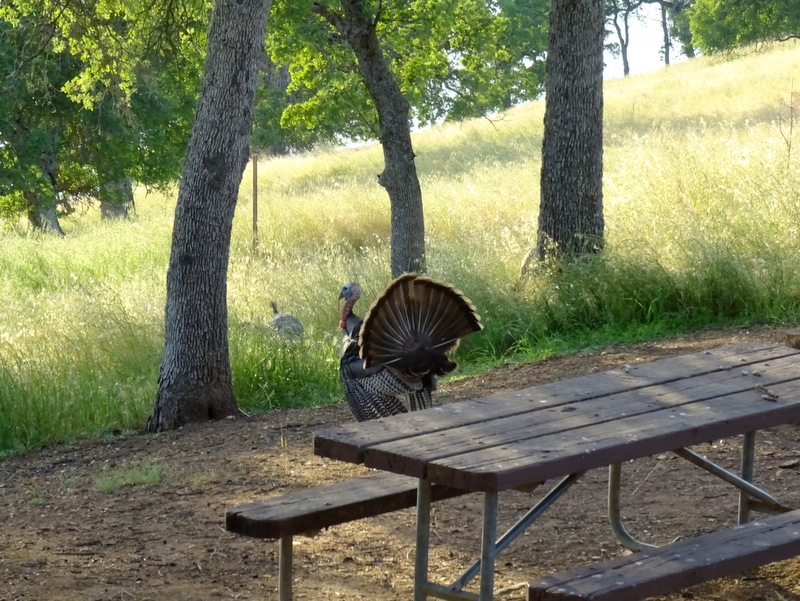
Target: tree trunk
[194, 381]
[42, 218]
[623, 35]
[665, 32]
[116, 201]
[571, 198]
[626, 65]
[399, 176]
[42, 213]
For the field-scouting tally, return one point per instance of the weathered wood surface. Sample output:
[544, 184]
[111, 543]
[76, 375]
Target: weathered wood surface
[309, 510]
[793, 338]
[678, 565]
[507, 441]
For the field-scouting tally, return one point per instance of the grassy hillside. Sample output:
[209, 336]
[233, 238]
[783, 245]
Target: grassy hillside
[702, 198]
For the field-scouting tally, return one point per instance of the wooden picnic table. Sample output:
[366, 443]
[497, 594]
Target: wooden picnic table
[562, 429]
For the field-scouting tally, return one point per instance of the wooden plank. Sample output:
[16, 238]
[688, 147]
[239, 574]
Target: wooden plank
[678, 565]
[312, 509]
[597, 445]
[349, 442]
[411, 455]
[720, 358]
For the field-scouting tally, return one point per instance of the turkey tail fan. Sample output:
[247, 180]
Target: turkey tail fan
[414, 323]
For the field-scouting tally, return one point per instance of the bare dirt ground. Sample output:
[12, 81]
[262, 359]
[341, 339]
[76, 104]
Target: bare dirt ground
[62, 538]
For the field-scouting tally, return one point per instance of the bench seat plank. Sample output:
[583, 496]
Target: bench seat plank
[310, 510]
[677, 565]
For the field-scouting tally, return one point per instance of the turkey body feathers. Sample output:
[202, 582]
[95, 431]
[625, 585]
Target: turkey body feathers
[286, 324]
[370, 393]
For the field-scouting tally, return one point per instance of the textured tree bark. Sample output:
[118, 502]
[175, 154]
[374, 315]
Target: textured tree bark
[571, 201]
[665, 32]
[42, 219]
[42, 213]
[399, 176]
[116, 199]
[194, 381]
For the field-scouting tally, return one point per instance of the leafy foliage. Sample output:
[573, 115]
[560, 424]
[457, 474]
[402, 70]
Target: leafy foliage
[103, 99]
[453, 59]
[725, 24]
[702, 196]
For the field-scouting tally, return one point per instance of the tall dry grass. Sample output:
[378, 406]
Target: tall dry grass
[701, 203]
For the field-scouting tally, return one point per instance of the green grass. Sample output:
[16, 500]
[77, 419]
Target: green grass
[111, 479]
[701, 194]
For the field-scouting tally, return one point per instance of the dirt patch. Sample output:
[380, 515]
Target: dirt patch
[63, 537]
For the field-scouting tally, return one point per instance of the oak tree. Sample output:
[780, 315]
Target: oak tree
[111, 45]
[725, 24]
[194, 381]
[367, 69]
[571, 196]
[70, 131]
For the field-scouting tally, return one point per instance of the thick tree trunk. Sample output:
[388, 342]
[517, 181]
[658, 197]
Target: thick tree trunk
[195, 378]
[43, 219]
[399, 177]
[571, 202]
[116, 201]
[42, 213]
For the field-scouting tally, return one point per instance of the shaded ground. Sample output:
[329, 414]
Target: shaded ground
[63, 537]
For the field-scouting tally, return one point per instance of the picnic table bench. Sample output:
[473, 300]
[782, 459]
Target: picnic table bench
[687, 562]
[560, 430]
[307, 511]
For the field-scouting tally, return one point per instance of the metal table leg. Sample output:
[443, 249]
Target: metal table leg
[750, 496]
[614, 517]
[423, 539]
[285, 569]
[748, 460]
[519, 527]
[422, 586]
[488, 548]
[754, 497]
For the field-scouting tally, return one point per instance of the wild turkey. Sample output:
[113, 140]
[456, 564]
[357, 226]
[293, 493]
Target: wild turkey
[285, 324]
[398, 351]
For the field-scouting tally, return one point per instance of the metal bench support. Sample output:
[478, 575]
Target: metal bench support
[748, 461]
[491, 546]
[750, 496]
[423, 538]
[285, 568]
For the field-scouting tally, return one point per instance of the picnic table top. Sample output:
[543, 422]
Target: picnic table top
[515, 439]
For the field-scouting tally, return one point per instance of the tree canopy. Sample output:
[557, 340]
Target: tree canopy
[89, 99]
[195, 380]
[724, 24]
[452, 59]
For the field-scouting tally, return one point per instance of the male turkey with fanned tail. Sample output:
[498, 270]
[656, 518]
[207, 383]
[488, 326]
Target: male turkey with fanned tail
[391, 358]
